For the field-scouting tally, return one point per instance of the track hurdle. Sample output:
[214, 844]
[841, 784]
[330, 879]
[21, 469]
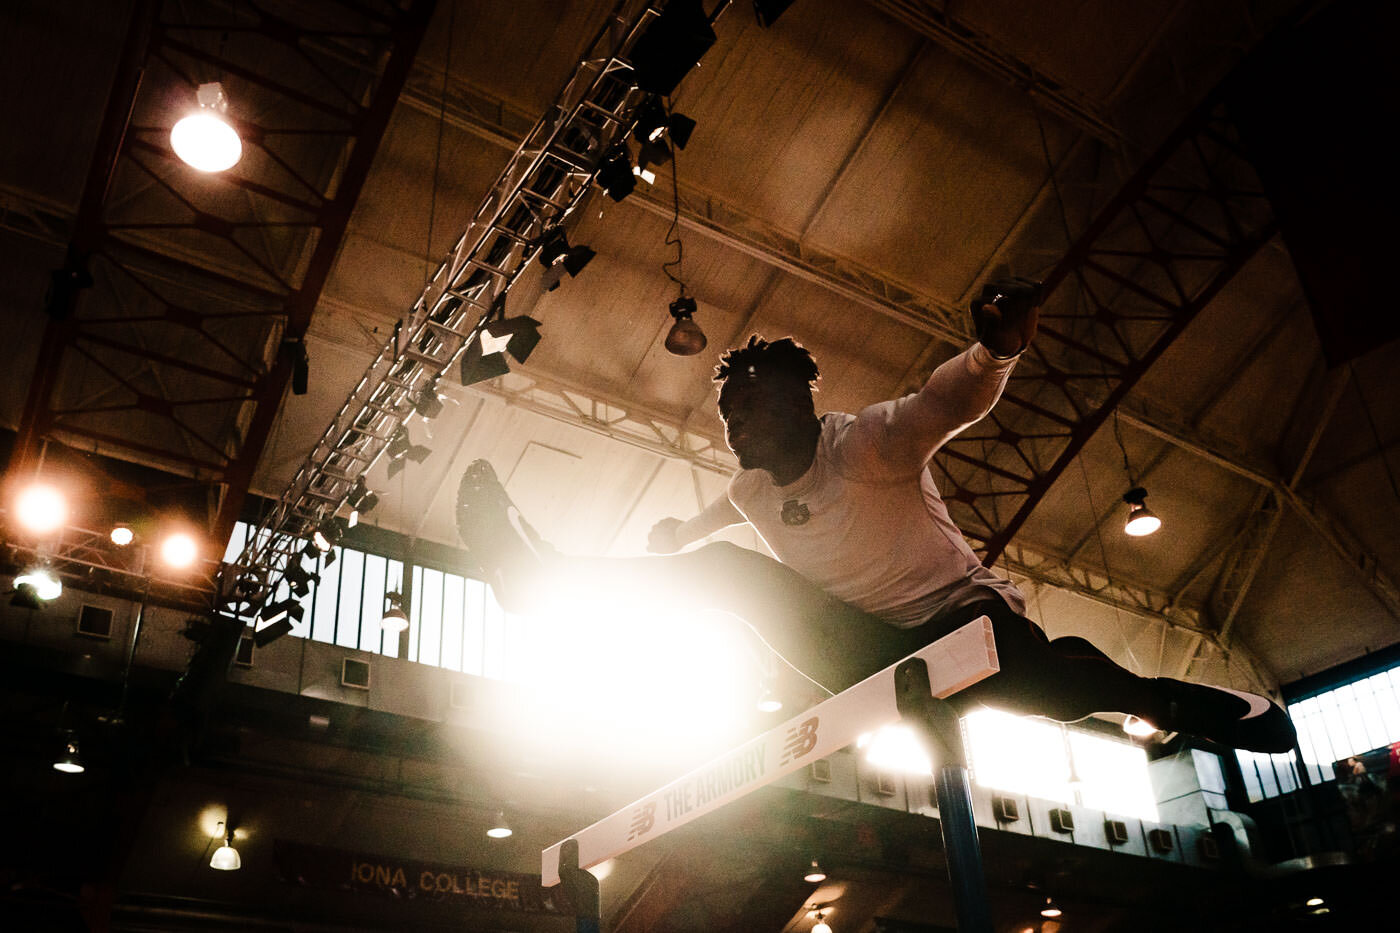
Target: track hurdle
[913, 690]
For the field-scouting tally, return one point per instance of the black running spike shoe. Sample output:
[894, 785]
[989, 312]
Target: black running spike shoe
[505, 550]
[1235, 718]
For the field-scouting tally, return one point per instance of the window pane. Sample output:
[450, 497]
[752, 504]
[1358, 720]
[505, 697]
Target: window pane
[493, 639]
[372, 608]
[430, 625]
[474, 627]
[415, 614]
[452, 610]
[352, 575]
[323, 612]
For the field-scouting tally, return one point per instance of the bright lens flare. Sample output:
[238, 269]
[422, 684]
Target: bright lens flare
[206, 142]
[122, 535]
[41, 508]
[179, 550]
[46, 585]
[895, 748]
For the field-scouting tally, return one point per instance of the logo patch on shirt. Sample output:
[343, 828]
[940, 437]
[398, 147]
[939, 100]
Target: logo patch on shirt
[796, 513]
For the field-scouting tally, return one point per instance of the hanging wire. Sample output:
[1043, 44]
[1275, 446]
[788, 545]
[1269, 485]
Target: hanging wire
[437, 147]
[1103, 556]
[673, 234]
[1118, 436]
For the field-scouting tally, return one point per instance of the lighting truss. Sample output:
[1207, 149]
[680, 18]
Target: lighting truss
[88, 560]
[178, 287]
[542, 183]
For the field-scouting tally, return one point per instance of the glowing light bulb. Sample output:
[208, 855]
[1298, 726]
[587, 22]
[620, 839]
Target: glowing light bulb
[204, 139]
[179, 550]
[41, 508]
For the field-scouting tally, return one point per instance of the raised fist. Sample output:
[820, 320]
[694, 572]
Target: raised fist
[662, 538]
[1005, 315]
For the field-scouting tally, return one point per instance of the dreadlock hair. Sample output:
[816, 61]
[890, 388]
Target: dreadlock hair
[784, 357]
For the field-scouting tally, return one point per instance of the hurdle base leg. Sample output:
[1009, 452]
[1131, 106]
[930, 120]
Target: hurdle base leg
[582, 888]
[937, 725]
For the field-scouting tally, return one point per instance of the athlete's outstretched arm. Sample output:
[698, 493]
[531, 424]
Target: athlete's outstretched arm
[671, 534]
[905, 433]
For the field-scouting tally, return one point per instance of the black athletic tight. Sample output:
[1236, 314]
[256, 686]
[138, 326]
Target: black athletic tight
[838, 645]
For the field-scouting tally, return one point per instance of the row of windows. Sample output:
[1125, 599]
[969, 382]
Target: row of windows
[454, 621]
[1344, 721]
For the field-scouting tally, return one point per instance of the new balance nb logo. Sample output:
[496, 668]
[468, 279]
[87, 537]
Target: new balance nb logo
[643, 819]
[800, 740]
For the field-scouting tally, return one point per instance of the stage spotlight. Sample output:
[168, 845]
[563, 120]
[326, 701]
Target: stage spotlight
[69, 761]
[122, 535]
[1141, 521]
[361, 501]
[204, 139]
[814, 875]
[645, 174]
[299, 579]
[327, 535]
[428, 403]
[282, 615]
[671, 46]
[679, 127]
[558, 257]
[768, 701]
[179, 550]
[615, 176]
[42, 582]
[395, 620]
[485, 357]
[41, 508]
[685, 337]
[398, 443]
[651, 120]
[1051, 910]
[821, 926]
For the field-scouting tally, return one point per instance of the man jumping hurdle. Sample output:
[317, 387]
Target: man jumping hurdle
[869, 565]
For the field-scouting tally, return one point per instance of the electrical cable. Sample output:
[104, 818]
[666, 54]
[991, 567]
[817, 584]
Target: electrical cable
[673, 237]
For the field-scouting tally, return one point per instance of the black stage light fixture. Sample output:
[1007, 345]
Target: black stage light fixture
[270, 633]
[298, 578]
[26, 597]
[651, 120]
[685, 337]
[428, 403]
[557, 256]
[679, 127]
[768, 11]
[479, 367]
[615, 176]
[653, 153]
[672, 45]
[398, 443]
[329, 533]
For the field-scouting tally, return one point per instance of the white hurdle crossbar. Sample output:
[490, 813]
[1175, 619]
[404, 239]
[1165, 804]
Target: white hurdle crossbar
[956, 661]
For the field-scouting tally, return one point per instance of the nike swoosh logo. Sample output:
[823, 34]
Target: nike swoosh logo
[1258, 705]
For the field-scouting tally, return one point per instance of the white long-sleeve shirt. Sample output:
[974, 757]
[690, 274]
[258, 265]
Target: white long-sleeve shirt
[866, 522]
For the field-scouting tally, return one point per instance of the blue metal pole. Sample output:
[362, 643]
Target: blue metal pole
[937, 724]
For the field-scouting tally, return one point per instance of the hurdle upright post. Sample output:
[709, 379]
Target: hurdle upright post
[937, 724]
[582, 888]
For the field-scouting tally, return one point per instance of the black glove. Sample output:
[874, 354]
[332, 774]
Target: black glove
[1007, 328]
